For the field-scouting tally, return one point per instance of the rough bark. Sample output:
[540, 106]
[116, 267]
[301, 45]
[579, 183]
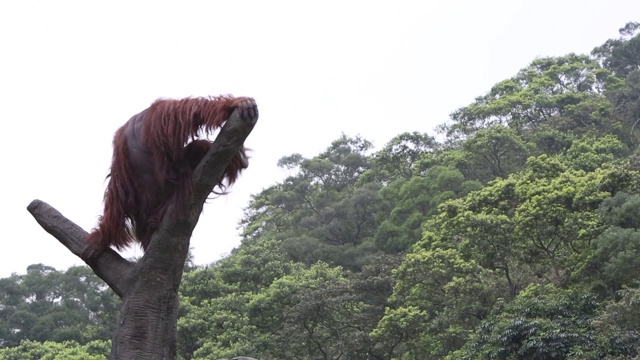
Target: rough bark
[149, 288]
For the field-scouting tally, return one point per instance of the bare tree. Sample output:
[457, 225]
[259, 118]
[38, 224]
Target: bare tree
[149, 287]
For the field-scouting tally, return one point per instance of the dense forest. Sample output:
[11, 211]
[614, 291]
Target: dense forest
[511, 233]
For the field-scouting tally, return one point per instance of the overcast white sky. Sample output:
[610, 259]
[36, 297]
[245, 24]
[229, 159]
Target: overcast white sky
[72, 72]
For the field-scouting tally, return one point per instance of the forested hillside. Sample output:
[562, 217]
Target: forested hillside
[514, 235]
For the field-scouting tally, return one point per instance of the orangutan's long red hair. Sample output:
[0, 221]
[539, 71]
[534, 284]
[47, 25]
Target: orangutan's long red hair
[154, 155]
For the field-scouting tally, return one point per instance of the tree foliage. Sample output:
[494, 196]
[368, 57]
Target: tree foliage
[46, 304]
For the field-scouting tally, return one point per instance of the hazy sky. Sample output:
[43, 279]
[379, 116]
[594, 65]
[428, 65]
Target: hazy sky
[72, 72]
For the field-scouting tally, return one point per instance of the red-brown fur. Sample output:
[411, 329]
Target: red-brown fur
[154, 155]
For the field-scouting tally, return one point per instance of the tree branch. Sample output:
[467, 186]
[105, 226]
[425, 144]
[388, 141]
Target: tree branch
[110, 266]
